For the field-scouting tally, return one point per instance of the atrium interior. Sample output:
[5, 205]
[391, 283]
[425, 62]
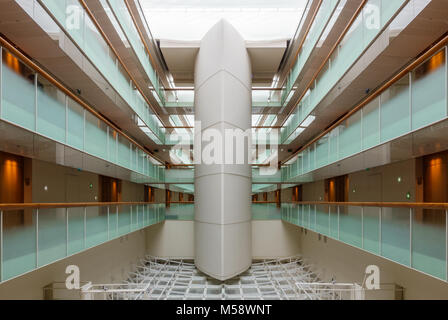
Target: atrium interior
[223, 150]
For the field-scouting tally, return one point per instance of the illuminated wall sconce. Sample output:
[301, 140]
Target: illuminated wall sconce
[399, 179]
[45, 188]
[408, 195]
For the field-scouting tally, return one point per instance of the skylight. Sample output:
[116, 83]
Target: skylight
[254, 19]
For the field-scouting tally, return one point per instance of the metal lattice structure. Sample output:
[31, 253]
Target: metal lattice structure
[165, 279]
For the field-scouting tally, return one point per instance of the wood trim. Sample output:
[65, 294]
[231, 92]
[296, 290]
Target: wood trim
[374, 95]
[23, 206]
[264, 202]
[140, 33]
[333, 49]
[5, 43]
[103, 34]
[302, 41]
[419, 205]
[182, 202]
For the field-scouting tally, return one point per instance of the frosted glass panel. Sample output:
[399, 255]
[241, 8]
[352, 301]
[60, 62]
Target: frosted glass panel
[349, 136]
[429, 242]
[322, 219]
[50, 110]
[58, 9]
[52, 226]
[395, 110]
[395, 229]
[96, 136]
[96, 226]
[75, 20]
[18, 92]
[124, 219]
[113, 222]
[371, 229]
[371, 124]
[75, 125]
[428, 91]
[334, 222]
[19, 243]
[124, 153]
[322, 152]
[350, 225]
[388, 9]
[75, 230]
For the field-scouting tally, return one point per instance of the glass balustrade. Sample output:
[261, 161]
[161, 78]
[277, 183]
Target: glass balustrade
[413, 237]
[184, 98]
[372, 20]
[185, 211]
[259, 175]
[122, 15]
[417, 100]
[30, 101]
[76, 23]
[180, 211]
[35, 237]
[322, 18]
[265, 211]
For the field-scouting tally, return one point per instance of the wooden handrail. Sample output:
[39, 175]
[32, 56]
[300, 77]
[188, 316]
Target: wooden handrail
[264, 202]
[23, 206]
[416, 205]
[181, 202]
[31, 64]
[332, 50]
[302, 41]
[109, 43]
[375, 94]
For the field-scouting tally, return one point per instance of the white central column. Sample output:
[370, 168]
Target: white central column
[223, 99]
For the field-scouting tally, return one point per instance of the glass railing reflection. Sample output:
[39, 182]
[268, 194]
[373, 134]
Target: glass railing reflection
[38, 235]
[416, 100]
[89, 39]
[29, 100]
[361, 35]
[411, 235]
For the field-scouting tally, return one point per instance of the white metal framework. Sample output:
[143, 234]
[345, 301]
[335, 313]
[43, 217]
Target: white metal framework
[165, 279]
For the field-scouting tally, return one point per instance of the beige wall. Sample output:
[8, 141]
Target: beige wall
[159, 195]
[171, 239]
[345, 263]
[375, 184]
[108, 263]
[381, 183]
[274, 239]
[314, 191]
[66, 184]
[286, 195]
[132, 191]
[270, 239]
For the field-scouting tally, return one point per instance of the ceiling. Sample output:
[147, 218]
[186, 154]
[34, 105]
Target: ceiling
[265, 58]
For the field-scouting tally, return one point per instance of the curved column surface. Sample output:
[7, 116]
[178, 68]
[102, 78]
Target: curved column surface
[223, 81]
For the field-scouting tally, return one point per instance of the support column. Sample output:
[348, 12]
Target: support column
[223, 243]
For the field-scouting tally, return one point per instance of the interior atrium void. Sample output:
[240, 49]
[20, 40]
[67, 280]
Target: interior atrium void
[223, 150]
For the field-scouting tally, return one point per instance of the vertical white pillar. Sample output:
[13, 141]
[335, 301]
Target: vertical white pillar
[223, 101]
